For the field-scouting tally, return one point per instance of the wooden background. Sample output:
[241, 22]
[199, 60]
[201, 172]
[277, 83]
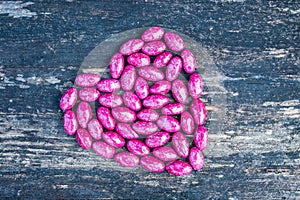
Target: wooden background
[254, 109]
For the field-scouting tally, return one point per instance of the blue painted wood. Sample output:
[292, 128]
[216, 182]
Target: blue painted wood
[253, 153]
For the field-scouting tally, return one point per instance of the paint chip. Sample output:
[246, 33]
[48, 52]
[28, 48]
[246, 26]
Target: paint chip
[16, 9]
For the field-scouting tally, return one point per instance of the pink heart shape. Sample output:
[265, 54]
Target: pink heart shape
[147, 97]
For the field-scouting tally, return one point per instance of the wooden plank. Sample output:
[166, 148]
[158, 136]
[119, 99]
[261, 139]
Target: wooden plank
[253, 98]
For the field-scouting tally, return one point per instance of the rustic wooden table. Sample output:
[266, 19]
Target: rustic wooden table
[254, 125]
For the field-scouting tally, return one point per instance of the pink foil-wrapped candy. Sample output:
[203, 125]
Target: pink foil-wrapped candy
[68, 99]
[179, 91]
[154, 48]
[103, 149]
[173, 68]
[189, 61]
[131, 46]
[198, 111]
[160, 87]
[109, 85]
[116, 65]
[151, 73]
[95, 129]
[165, 153]
[138, 59]
[137, 147]
[152, 164]
[127, 159]
[187, 122]
[201, 137]
[156, 101]
[110, 100]
[87, 80]
[174, 41]
[128, 78]
[84, 114]
[84, 139]
[106, 119]
[70, 122]
[173, 109]
[123, 114]
[89, 94]
[141, 88]
[179, 168]
[180, 144]
[168, 123]
[132, 101]
[126, 131]
[162, 59]
[144, 128]
[195, 85]
[113, 139]
[148, 115]
[153, 34]
[157, 139]
[196, 158]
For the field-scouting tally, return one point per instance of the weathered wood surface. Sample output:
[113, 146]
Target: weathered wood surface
[254, 136]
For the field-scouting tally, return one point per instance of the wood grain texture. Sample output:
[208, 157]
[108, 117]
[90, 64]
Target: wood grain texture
[254, 150]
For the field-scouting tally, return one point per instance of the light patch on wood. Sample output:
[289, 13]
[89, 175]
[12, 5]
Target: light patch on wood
[294, 102]
[16, 9]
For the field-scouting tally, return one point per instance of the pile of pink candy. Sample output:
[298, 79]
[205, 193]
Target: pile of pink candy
[147, 113]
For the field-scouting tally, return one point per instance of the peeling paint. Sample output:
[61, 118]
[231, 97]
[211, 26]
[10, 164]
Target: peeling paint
[52, 80]
[277, 53]
[293, 102]
[228, 1]
[16, 9]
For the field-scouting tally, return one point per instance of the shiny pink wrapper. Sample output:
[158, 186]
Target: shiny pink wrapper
[84, 139]
[106, 119]
[128, 78]
[154, 48]
[137, 147]
[157, 139]
[174, 41]
[180, 144]
[151, 73]
[95, 129]
[162, 59]
[110, 100]
[131, 46]
[153, 34]
[165, 153]
[126, 131]
[89, 94]
[148, 115]
[138, 59]
[152, 164]
[103, 149]
[132, 101]
[156, 101]
[168, 123]
[160, 87]
[198, 111]
[87, 80]
[108, 85]
[179, 168]
[113, 139]
[144, 128]
[84, 114]
[123, 114]
[196, 158]
[127, 159]
[68, 99]
[201, 138]
[70, 122]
